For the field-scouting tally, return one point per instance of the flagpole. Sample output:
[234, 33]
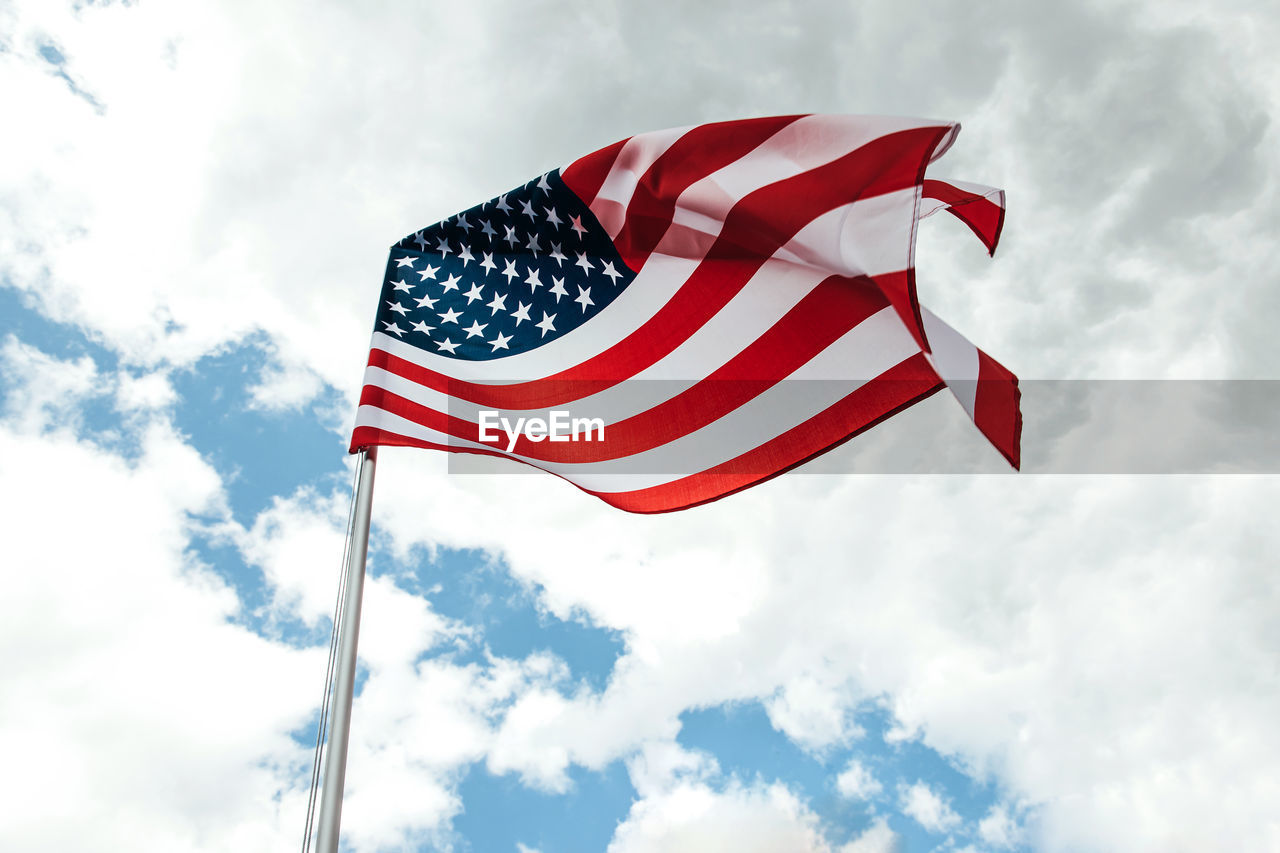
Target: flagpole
[335, 761]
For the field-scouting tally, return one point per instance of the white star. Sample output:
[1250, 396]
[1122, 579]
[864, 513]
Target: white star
[557, 254]
[499, 342]
[447, 344]
[426, 302]
[398, 308]
[464, 224]
[527, 209]
[532, 279]
[406, 261]
[499, 301]
[557, 287]
[584, 298]
[401, 285]
[465, 254]
[474, 293]
[543, 185]
[488, 264]
[451, 283]
[583, 262]
[554, 218]
[548, 323]
[511, 237]
[613, 274]
[532, 245]
[429, 272]
[476, 329]
[510, 271]
[487, 229]
[420, 240]
[502, 204]
[392, 327]
[522, 312]
[442, 246]
[450, 316]
[423, 327]
[576, 225]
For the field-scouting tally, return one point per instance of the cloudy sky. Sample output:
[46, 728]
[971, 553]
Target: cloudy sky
[195, 205]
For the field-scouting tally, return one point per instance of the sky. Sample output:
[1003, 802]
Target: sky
[196, 202]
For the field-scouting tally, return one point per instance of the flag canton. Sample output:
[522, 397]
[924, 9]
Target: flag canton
[504, 277]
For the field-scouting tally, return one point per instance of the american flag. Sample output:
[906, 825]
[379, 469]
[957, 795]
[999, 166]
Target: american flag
[687, 312]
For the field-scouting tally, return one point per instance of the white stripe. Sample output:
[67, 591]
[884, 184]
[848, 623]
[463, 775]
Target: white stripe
[637, 155]
[370, 416]
[947, 141]
[869, 349]
[776, 288]
[930, 206]
[804, 144]
[969, 187]
[953, 358]
[871, 236]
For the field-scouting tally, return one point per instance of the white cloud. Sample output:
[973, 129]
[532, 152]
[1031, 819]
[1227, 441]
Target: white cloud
[659, 765]
[518, 747]
[129, 699]
[297, 542]
[878, 838]
[144, 392]
[927, 808]
[693, 817]
[857, 782]
[42, 390]
[1008, 653]
[420, 725]
[134, 699]
[999, 828]
[683, 804]
[815, 713]
[285, 387]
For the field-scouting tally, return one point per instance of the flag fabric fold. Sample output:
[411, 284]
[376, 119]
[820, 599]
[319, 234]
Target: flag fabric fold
[684, 313]
[977, 206]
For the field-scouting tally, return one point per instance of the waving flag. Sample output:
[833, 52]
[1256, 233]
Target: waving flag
[684, 313]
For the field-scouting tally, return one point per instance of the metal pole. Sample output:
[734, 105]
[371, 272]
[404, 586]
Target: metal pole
[335, 760]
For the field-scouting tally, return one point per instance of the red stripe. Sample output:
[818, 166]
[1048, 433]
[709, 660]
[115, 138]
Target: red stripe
[829, 311]
[538, 394]
[897, 389]
[997, 410]
[586, 175]
[697, 154]
[984, 217]
[766, 219]
[389, 401]
[902, 293]
[758, 225]
[367, 436]
[900, 289]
